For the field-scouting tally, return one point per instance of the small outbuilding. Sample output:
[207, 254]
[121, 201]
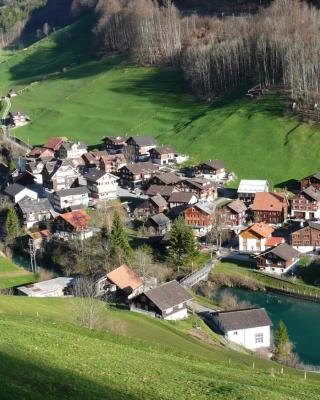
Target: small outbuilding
[57, 287]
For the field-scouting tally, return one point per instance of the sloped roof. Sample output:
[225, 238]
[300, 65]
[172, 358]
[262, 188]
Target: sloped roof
[95, 175]
[314, 225]
[54, 142]
[252, 186]
[68, 145]
[45, 233]
[159, 201]
[78, 219]
[72, 191]
[160, 190]
[237, 206]
[143, 140]
[214, 164]
[160, 219]
[243, 319]
[142, 167]
[169, 178]
[125, 278]
[163, 150]
[199, 183]
[206, 206]
[168, 295]
[40, 205]
[312, 192]
[285, 252]
[116, 139]
[268, 201]
[261, 229]
[274, 241]
[15, 188]
[181, 197]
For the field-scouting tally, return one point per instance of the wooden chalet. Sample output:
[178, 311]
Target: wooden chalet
[279, 259]
[307, 238]
[306, 204]
[271, 208]
[233, 214]
[312, 180]
[114, 144]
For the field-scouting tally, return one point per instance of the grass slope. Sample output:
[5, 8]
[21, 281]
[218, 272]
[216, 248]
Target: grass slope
[11, 275]
[44, 355]
[68, 92]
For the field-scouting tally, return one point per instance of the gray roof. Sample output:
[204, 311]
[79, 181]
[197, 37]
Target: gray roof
[314, 225]
[29, 206]
[285, 252]
[72, 191]
[95, 175]
[160, 190]
[214, 164]
[163, 150]
[159, 201]
[168, 178]
[160, 219]
[13, 189]
[168, 295]
[316, 175]
[206, 206]
[142, 167]
[237, 206]
[242, 319]
[312, 192]
[143, 140]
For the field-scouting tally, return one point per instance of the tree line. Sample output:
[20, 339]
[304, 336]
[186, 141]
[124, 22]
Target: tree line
[277, 46]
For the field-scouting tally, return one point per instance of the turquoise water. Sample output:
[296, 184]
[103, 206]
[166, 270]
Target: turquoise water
[302, 319]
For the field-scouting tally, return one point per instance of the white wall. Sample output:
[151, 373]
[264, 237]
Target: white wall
[252, 245]
[181, 314]
[246, 337]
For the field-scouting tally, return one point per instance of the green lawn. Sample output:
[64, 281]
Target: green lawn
[12, 275]
[43, 355]
[68, 92]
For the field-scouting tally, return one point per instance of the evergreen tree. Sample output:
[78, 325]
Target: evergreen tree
[183, 246]
[120, 247]
[283, 350]
[12, 226]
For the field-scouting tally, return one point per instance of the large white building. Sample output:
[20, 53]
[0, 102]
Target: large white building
[249, 187]
[249, 328]
[102, 185]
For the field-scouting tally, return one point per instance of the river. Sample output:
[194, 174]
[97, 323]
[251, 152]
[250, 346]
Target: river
[302, 319]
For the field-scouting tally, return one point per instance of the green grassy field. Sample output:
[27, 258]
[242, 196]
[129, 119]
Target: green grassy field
[44, 355]
[68, 92]
[11, 275]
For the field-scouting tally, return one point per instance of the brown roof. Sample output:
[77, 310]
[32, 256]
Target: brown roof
[78, 219]
[243, 319]
[168, 295]
[261, 229]
[125, 278]
[284, 251]
[199, 183]
[181, 197]
[38, 151]
[159, 201]
[142, 167]
[168, 178]
[40, 234]
[214, 164]
[237, 206]
[54, 143]
[268, 201]
[162, 190]
[163, 150]
[115, 139]
[312, 192]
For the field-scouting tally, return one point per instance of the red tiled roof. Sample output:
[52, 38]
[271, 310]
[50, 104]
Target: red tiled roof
[261, 229]
[53, 143]
[78, 218]
[125, 278]
[274, 241]
[264, 201]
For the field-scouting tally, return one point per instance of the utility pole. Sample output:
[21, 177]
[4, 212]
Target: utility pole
[33, 261]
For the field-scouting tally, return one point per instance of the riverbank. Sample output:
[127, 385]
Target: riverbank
[235, 275]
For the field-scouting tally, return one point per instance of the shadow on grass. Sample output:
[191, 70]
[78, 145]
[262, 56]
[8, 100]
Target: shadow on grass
[23, 379]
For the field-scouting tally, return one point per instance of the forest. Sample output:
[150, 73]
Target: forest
[278, 45]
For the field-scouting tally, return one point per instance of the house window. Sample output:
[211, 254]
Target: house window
[235, 332]
[258, 337]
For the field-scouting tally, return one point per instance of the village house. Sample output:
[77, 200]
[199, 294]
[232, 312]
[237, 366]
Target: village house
[162, 155]
[135, 175]
[59, 175]
[212, 169]
[33, 212]
[271, 208]
[138, 148]
[168, 178]
[253, 239]
[73, 198]
[250, 328]
[312, 180]
[57, 287]
[233, 214]
[168, 301]
[274, 241]
[248, 188]
[39, 238]
[73, 225]
[36, 168]
[114, 144]
[25, 179]
[154, 205]
[307, 238]
[112, 163]
[200, 217]
[162, 190]
[42, 153]
[202, 188]
[18, 118]
[122, 281]
[159, 223]
[306, 204]
[54, 143]
[102, 185]
[278, 260]
[71, 150]
[181, 200]
[17, 192]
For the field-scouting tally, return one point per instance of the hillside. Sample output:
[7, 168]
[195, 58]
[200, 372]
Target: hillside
[54, 359]
[11, 275]
[68, 92]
